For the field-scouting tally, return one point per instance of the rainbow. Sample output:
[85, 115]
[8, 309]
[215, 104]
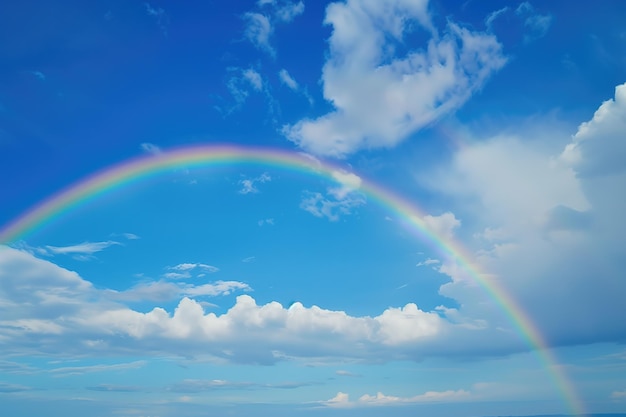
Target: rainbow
[139, 168]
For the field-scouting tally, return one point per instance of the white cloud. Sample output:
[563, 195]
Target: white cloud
[289, 11]
[536, 23]
[80, 370]
[342, 400]
[150, 148]
[618, 395]
[288, 80]
[39, 75]
[254, 78]
[258, 31]
[167, 291]
[330, 206]
[346, 373]
[598, 147]
[260, 26]
[248, 185]
[194, 266]
[6, 387]
[549, 221]
[162, 19]
[85, 248]
[248, 259]
[40, 299]
[373, 91]
[429, 262]
[338, 200]
[269, 222]
[493, 16]
[442, 225]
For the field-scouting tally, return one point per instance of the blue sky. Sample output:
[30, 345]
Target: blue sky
[245, 289]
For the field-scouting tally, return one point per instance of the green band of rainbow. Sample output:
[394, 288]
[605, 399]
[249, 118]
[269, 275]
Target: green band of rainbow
[136, 169]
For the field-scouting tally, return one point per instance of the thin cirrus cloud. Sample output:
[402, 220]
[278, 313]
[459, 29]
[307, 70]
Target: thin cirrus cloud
[374, 95]
[259, 25]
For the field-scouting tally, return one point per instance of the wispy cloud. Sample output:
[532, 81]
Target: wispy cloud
[536, 23]
[39, 75]
[159, 15]
[260, 24]
[338, 200]
[9, 388]
[258, 31]
[85, 248]
[428, 262]
[114, 388]
[150, 148]
[249, 185]
[263, 222]
[80, 370]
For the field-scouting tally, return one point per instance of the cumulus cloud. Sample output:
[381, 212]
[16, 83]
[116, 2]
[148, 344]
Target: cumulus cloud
[549, 224]
[442, 225]
[39, 299]
[381, 99]
[342, 400]
[598, 147]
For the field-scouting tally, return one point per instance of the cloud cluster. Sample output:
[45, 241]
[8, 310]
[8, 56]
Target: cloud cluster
[379, 98]
[40, 300]
[342, 400]
[548, 225]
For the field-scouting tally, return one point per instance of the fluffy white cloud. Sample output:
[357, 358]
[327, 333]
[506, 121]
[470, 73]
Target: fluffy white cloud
[39, 299]
[342, 400]
[442, 225]
[548, 225]
[599, 147]
[380, 98]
